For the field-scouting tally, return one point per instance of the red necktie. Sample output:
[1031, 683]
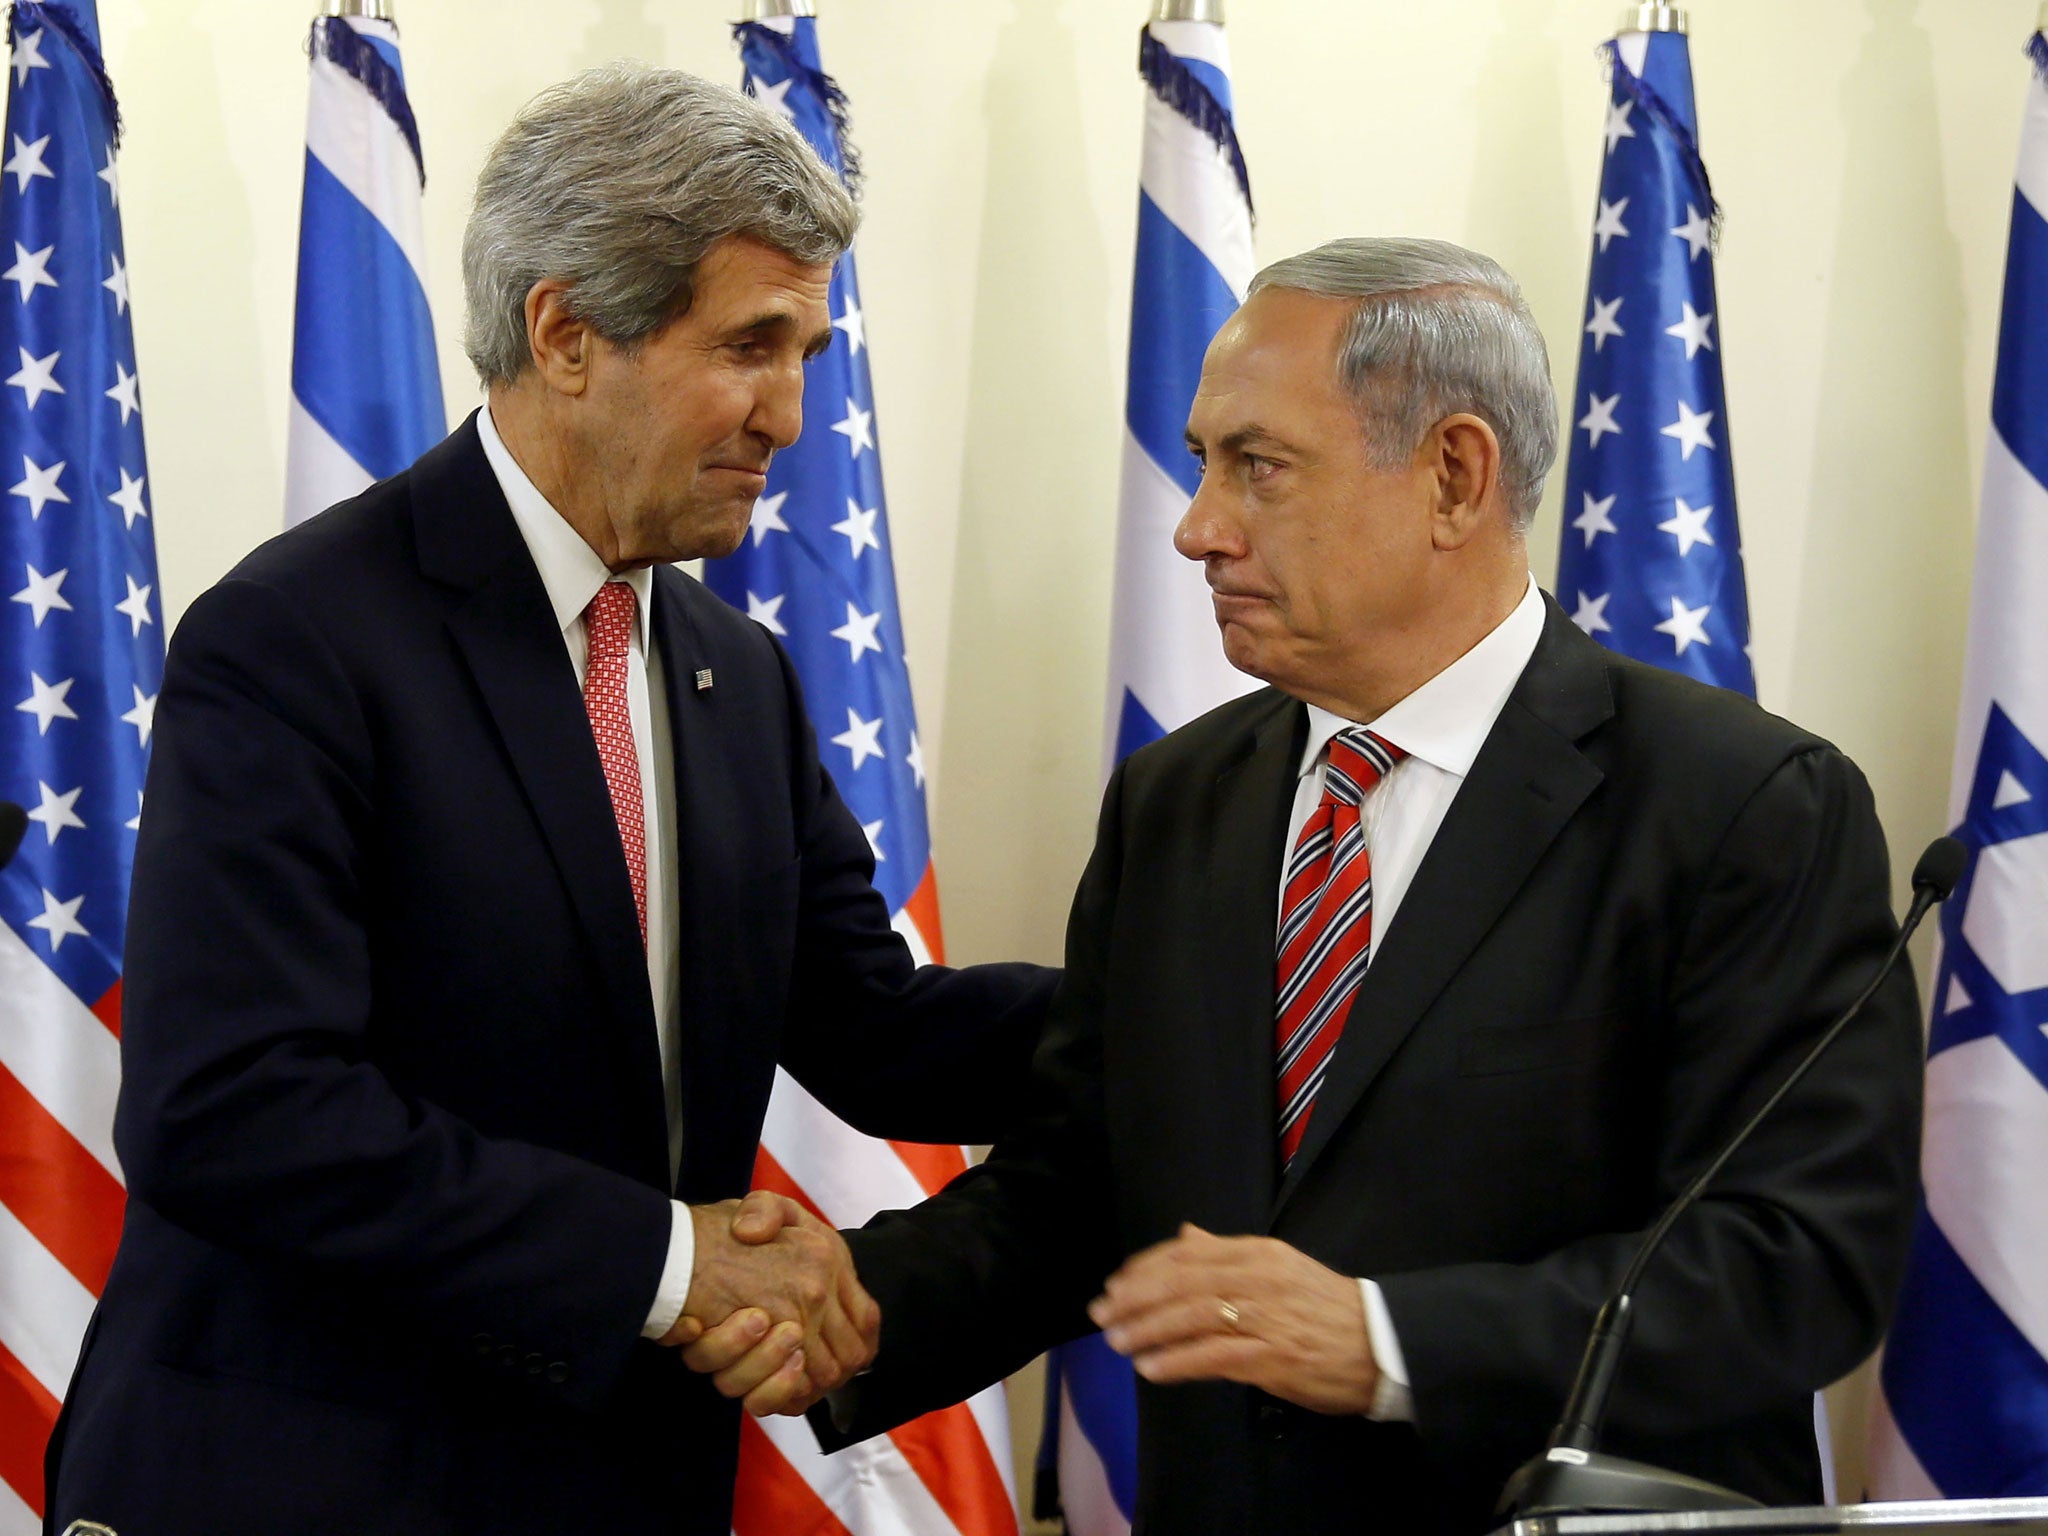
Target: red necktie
[609, 623]
[1325, 927]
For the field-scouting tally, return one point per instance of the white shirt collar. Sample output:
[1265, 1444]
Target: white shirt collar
[569, 568]
[1448, 718]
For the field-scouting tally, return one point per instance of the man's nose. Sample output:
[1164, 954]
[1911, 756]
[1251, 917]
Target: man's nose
[1206, 528]
[779, 409]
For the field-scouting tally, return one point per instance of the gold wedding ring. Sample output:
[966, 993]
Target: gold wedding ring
[1231, 1317]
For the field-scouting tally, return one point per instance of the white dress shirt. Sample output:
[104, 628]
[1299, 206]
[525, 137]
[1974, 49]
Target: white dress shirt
[571, 572]
[1441, 726]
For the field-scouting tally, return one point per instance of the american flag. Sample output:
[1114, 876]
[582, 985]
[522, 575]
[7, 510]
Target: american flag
[1963, 1406]
[817, 570]
[1193, 264]
[366, 385]
[1651, 560]
[81, 663]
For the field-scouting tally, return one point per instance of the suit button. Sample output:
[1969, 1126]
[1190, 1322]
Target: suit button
[558, 1372]
[535, 1364]
[508, 1358]
[482, 1343]
[1272, 1419]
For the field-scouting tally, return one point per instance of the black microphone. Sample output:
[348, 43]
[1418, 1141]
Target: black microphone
[13, 823]
[1572, 1475]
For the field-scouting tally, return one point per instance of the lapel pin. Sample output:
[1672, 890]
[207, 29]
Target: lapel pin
[704, 680]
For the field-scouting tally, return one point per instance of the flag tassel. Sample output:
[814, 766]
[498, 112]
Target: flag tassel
[1645, 95]
[54, 13]
[1175, 84]
[339, 43]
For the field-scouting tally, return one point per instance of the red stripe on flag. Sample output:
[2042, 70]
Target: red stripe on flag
[947, 1450]
[27, 1414]
[771, 1497]
[923, 908]
[108, 1009]
[932, 1167]
[769, 1174]
[59, 1190]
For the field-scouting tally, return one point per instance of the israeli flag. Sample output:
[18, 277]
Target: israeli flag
[366, 385]
[1194, 263]
[1166, 666]
[1964, 1405]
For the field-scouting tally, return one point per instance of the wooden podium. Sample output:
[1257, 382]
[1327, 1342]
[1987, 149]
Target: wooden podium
[1949, 1517]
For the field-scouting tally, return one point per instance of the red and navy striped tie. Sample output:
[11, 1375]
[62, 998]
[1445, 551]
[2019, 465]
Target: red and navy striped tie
[1325, 927]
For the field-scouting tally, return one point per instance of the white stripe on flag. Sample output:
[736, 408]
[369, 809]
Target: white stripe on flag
[16, 1518]
[847, 1175]
[991, 1410]
[1084, 1486]
[920, 950]
[1163, 635]
[868, 1486]
[64, 1056]
[1986, 1147]
[351, 134]
[1895, 1472]
[47, 1309]
[321, 471]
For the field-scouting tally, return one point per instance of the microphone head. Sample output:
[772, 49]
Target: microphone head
[1940, 867]
[13, 823]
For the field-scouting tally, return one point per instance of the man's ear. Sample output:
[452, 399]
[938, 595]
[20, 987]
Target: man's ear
[560, 344]
[1466, 456]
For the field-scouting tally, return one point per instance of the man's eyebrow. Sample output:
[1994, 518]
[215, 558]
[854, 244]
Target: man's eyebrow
[1252, 436]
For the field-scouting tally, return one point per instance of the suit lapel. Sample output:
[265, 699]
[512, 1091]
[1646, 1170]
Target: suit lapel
[1527, 782]
[1241, 898]
[506, 632]
[697, 830]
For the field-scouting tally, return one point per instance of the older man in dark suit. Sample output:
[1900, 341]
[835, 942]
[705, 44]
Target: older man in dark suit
[1402, 995]
[489, 872]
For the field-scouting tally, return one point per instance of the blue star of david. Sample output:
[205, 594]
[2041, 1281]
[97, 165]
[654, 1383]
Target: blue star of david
[2015, 1017]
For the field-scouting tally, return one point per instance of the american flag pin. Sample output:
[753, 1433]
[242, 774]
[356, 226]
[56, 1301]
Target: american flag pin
[704, 680]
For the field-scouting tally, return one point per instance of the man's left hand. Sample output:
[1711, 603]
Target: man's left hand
[1203, 1308]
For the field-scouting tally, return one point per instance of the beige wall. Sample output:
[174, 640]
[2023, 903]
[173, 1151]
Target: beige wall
[1863, 150]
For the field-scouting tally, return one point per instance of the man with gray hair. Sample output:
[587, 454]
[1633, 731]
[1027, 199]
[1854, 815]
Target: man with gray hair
[1402, 995]
[489, 874]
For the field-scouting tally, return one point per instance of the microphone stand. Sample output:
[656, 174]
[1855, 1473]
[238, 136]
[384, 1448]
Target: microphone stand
[1573, 1475]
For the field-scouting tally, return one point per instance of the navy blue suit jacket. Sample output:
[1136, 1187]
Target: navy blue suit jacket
[1646, 901]
[392, 1115]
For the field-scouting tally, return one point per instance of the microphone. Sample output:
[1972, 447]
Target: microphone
[1572, 1475]
[13, 823]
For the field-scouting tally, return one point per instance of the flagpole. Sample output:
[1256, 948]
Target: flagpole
[1653, 16]
[367, 10]
[765, 10]
[1195, 10]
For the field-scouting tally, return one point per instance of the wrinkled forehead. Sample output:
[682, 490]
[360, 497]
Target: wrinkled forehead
[1279, 350]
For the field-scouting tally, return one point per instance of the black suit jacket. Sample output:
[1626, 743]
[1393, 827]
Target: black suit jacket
[1641, 908]
[392, 1114]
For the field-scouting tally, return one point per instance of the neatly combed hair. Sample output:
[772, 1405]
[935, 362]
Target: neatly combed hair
[1438, 329]
[617, 182]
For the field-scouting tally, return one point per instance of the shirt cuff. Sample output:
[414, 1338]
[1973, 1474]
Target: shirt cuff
[1392, 1402]
[675, 1273]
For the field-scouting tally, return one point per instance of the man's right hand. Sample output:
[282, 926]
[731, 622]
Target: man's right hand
[775, 1313]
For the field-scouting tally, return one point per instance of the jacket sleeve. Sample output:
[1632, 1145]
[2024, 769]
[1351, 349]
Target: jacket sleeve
[998, 1267]
[1781, 1279]
[252, 1111]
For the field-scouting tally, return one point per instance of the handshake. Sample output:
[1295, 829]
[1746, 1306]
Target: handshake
[775, 1315]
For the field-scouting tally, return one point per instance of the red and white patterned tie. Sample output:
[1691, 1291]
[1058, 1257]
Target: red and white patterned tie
[609, 623]
[1325, 927]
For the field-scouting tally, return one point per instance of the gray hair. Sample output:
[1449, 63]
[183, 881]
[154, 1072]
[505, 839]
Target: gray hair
[617, 182]
[1438, 329]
